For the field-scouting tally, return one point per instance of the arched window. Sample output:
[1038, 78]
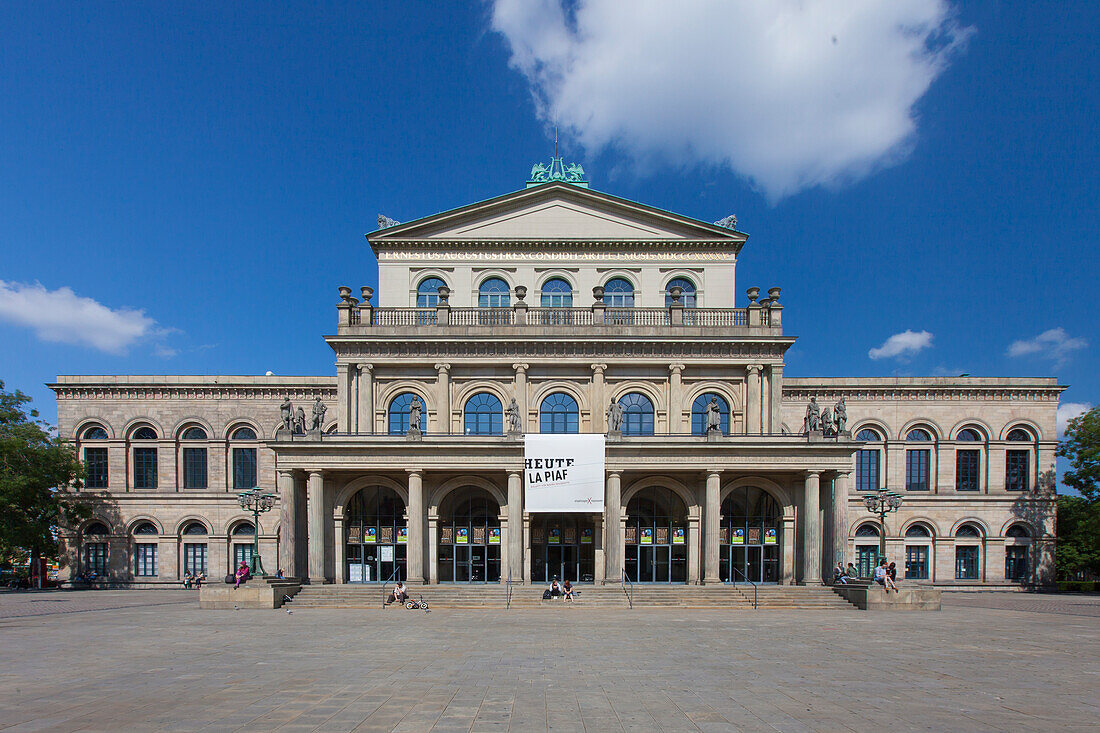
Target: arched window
[427, 293]
[969, 531]
[244, 544]
[918, 462]
[243, 433]
[637, 414]
[94, 549]
[1018, 462]
[194, 460]
[559, 414]
[244, 528]
[1019, 435]
[968, 461]
[400, 408]
[916, 552]
[244, 460]
[1017, 553]
[194, 548]
[144, 433]
[969, 435]
[868, 462]
[194, 528]
[95, 459]
[494, 293]
[146, 528]
[618, 293]
[95, 432]
[144, 459]
[688, 297]
[967, 556]
[867, 530]
[699, 413]
[917, 530]
[193, 433]
[97, 529]
[483, 415]
[145, 550]
[917, 435]
[557, 293]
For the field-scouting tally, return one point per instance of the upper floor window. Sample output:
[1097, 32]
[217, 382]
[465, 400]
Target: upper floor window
[401, 409]
[868, 462]
[917, 435]
[1017, 470]
[95, 459]
[95, 432]
[145, 528]
[559, 414]
[967, 469]
[1019, 435]
[968, 531]
[244, 460]
[194, 460]
[917, 530]
[867, 530]
[618, 293]
[195, 528]
[144, 459]
[194, 433]
[243, 433]
[1018, 530]
[483, 415]
[637, 414]
[557, 293]
[687, 299]
[494, 293]
[144, 433]
[427, 293]
[699, 413]
[969, 435]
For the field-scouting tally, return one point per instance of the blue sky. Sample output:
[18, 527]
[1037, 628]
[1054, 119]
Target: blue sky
[205, 172]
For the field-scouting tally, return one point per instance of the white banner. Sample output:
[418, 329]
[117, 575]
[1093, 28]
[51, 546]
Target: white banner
[563, 473]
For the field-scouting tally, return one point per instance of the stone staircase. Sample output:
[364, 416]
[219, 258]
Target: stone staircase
[589, 596]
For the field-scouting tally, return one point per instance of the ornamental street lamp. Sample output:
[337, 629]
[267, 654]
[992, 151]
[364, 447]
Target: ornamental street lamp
[257, 502]
[882, 502]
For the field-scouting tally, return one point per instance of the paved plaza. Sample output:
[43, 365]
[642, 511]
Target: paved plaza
[151, 660]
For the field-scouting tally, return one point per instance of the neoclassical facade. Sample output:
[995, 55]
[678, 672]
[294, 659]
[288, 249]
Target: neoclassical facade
[563, 299]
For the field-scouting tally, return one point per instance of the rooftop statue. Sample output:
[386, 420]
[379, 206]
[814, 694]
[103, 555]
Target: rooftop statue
[557, 171]
[729, 222]
[513, 416]
[614, 416]
[319, 411]
[384, 222]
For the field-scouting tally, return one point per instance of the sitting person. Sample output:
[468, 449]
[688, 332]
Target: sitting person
[200, 578]
[399, 594]
[242, 575]
[851, 573]
[882, 577]
[555, 588]
[567, 589]
[188, 580]
[839, 578]
[892, 576]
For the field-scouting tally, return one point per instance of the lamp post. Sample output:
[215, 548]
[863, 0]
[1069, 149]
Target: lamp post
[882, 502]
[257, 502]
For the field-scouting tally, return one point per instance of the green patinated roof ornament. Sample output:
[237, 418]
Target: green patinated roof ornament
[557, 171]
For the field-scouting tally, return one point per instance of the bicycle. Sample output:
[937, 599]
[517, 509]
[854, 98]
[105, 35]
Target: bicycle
[420, 604]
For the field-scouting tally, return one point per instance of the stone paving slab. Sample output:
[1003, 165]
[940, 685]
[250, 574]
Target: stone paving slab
[152, 661]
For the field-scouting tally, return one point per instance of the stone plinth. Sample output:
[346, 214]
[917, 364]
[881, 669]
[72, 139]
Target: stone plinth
[253, 594]
[907, 598]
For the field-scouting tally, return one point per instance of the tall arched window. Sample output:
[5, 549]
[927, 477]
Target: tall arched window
[144, 459]
[194, 460]
[637, 414]
[194, 548]
[968, 461]
[244, 459]
[687, 299]
[95, 548]
[699, 413]
[427, 293]
[557, 293]
[618, 293]
[494, 293]
[967, 552]
[95, 459]
[918, 462]
[868, 461]
[400, 408]
[145, 549]
[1018, 462]
[559, 414]
[483, 415]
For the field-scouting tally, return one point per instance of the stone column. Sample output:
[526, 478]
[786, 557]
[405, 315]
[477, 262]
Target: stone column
[520, 388]
[345, 397]
[752, 406]
[839, 521]
[414, 549]
[788, 550]
[527, 543]
[316, 521]
[775, 400]
[365, 407]
[443, 394]
[612, 532]
[288, 546]
[433, 546]
[693, 548]
[340, 548]
[595, 396]
[675, 398]
[811, 530]
[712, 519]
[599, 566]
[515, 524]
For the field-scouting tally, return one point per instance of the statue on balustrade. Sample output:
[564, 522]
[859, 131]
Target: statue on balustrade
[813, 417]
[826, 422]
[614, 416]
[298, 425]
[514, 425]
[714, 415]
[414, 413]
[285, 410]
[319, 411]
[840, 416]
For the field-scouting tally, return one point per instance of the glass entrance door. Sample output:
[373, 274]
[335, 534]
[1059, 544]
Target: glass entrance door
[469, 554]
[656, 555]
[375, 536]
[749, 537]
[563, 546]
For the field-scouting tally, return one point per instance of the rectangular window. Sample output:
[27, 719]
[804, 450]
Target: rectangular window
[242, 553]
[916, 469]
[145, 560]
[95, 468]
[967, 463]
[194, 468]
[1016, 565]
[1017, 470]
[145, 468]
[867, 470]
[966, 562]
[916, 562]
[95, 558]
[865, 559]
[244, 468]
[194, 558]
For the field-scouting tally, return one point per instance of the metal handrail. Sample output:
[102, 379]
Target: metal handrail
[626, 579]
[384, 582]
[742, 574]
[508, 594]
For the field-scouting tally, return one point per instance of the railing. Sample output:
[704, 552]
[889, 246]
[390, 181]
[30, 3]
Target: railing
[636, 317]
[630, 595]
[747, 581]
[716, 317]
[508, 594]
[403, 316]
[559, 317]
[482, 317]
[384, 582]
[646, 317]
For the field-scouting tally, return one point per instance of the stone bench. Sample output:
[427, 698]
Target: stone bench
[873, 597]
[256, 593]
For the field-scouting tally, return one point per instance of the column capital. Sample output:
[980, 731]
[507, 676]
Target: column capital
[520, 367]
[754, 368]
[811, 474]
[415, 471]
[442, 367]
[615, 474]
[517, 474]
[714, 472]
[676, 368]
[315, 472]
[287, 472]
[364, 367]
[598, 368]
[844, 474]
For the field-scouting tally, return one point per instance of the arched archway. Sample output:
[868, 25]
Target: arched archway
[376, 535]
[469, 536]
[656, 536]
[563, 546]
[750, 536]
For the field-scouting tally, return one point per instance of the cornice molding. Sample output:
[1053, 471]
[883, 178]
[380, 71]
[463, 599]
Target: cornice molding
[193, 392]
[938, 393]
[532, 349]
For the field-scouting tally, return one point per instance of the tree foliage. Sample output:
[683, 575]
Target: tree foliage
[1081, 445]
[37, 471]
[1078, 529]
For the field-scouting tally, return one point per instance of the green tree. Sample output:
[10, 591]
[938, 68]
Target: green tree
[1081, 445]
[37, 472]
[1078, 531]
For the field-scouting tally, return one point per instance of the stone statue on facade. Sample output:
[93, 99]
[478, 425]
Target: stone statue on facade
[729, 222]
[298, 425]
[614, 416]
[415, 408]
[538, 172]
[319, 411]
[812, 422]
[514, 425]
[840, 416]
[826, 422]
[385, 222]
[713, 415]
[285, 410]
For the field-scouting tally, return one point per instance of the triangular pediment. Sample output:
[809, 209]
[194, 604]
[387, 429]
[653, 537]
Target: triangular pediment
[557, 211]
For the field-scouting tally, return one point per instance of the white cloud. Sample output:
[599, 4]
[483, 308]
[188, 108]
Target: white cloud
[63, 316]
[789, 93]
[902, 345]
[1055, 344]
[1069, 410]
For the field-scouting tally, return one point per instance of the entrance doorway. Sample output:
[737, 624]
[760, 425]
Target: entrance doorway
[563, 545]
[749, 537]
[469, 538]
[656, 537]
[376, 536]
